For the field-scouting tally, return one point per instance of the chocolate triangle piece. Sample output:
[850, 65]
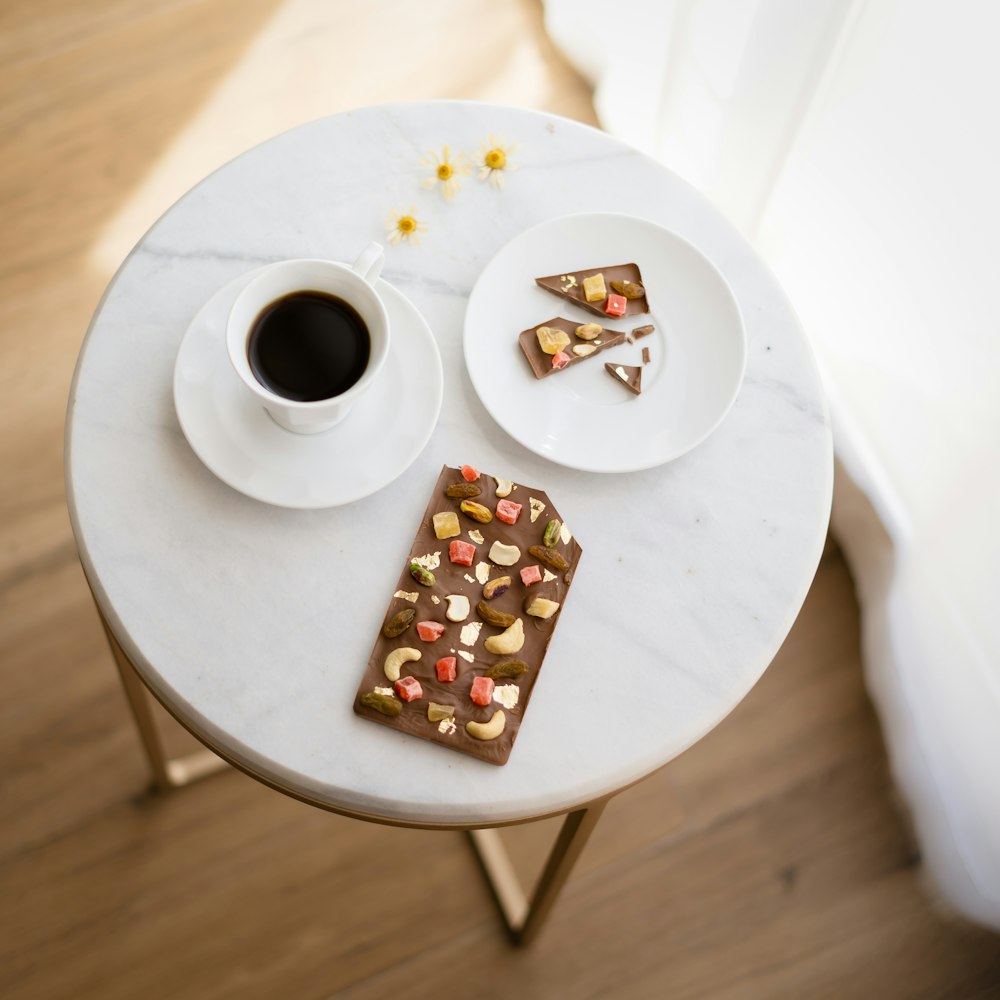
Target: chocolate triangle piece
[570, 286]
[630, 376]
[576, 350]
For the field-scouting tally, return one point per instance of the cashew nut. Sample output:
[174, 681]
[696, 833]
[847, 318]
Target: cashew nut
[458, 608]
[504, 487]
[395, 660]
[504, 555]
[487, 730]
[508, 641]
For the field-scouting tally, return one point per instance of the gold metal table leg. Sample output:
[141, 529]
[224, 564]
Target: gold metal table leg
[524, 919]
[168, 773]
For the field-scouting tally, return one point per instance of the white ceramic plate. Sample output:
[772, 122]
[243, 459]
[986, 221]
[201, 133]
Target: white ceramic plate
[581, 417]
[233, 435]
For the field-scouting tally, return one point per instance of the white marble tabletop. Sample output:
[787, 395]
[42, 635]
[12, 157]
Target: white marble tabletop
[253, 623]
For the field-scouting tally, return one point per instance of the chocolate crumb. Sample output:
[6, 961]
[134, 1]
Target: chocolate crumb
[645, 355]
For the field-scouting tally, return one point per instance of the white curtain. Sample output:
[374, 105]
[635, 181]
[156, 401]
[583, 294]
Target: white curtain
[857, 145]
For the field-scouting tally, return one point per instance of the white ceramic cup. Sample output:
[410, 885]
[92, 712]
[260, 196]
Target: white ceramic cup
[355, 284]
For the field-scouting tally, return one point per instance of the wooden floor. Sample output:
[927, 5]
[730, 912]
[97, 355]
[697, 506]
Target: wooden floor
[767, 861]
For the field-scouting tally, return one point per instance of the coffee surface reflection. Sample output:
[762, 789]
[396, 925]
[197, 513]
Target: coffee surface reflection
[308, 346]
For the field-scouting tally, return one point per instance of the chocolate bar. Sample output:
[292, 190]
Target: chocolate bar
[621, 282]
[576, 350]
[471, 616]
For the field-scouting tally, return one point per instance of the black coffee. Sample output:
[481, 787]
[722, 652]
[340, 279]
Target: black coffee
[308, 346]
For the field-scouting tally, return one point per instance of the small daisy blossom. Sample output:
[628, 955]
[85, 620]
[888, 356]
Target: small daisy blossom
[447, 171]
[401, 226]
[494, 159]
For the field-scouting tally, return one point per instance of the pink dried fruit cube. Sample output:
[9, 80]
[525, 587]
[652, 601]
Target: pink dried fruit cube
[530, 575]
[560, 359]
[507, 511]
[482, 690]
[470, 473]
[461, 553]
[429, 631]
[408, 688]
[446, 669]
[616, 305]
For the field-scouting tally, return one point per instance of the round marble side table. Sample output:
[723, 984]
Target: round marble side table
[252, 623]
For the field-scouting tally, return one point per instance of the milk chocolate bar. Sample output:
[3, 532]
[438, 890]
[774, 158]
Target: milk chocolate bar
[477, 600]
[624, 293]
[578, 349]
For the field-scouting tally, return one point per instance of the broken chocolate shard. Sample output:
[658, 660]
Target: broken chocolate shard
[645, 355]
[541, 363]
[630, 376]
[643, 331]
[464, 643]
[570, 286]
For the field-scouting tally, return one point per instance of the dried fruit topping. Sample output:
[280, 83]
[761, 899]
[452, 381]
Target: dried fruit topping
[469, 473]
[398, 623]
[508, 511]
[460, 491]
[476, 511]
[630, 289]
[482, 690]
[492, 616]
[496, 587]
[507, 669]
[423, 576]
[589, 331]
[616, 305]
[560, 360]
[384, 703]
[540, 607]
[429, 631]
[551, 339]
[593, 288]
[408, 688]
[446, 524]
[436, 712]
[504, 555]
[550, 557]
[582, 350]
[551, 534]
[461, 552]
[446, 669]
[530, 575]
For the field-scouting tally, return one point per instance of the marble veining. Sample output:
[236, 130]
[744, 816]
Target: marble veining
[254, 622]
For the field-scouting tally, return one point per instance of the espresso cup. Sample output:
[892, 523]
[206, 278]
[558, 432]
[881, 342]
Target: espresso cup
[308, 337]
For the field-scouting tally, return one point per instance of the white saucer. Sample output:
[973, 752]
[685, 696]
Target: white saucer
[233, 435]
[582, 418]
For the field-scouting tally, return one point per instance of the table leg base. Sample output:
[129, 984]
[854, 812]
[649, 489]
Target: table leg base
[168, 772]
[525, 918]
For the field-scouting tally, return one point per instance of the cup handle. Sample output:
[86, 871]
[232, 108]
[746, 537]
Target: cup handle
[369, 264]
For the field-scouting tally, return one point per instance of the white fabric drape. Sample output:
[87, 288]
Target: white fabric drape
[857, 145]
